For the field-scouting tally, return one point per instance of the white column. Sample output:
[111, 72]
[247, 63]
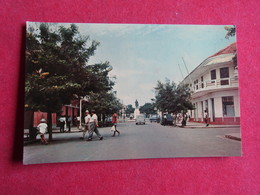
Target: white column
[210, 112]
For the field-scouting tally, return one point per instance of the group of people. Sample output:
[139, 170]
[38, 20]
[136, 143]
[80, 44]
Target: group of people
[65, 124]
[91, 125]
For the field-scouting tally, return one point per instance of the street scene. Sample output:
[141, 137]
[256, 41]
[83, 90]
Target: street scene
[97, 92]
[137, 142]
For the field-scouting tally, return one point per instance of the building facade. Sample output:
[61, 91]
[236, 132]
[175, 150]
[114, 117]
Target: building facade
[33, 118]
[214, 85]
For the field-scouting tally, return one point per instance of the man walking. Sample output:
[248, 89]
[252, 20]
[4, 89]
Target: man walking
[69, 123]
[87, 120]
[206, 118]
[93, 126]
[62, 123]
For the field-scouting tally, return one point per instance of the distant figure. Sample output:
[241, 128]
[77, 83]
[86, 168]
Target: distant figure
[77, 121]
[42, 127]
[174, 119]
[164, 119]
[115, 121]
[93, 126]
[69, 123]
[206, 118]
[184, 120]
[62, 123]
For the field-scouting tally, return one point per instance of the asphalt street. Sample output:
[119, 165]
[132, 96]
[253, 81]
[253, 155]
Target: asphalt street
[136, 142]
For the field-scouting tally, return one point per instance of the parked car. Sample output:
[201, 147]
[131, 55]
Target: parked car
[154, 118]
[108, 122]
[140, 120]
[168, 121]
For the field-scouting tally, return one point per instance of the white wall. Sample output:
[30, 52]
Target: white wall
[217, 102]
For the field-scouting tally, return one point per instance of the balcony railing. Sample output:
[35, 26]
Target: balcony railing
[214, 84]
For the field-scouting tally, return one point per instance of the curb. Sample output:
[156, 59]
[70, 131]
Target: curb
[232, 137]
[199, 127]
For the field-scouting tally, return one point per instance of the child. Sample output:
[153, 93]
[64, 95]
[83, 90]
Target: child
[42, 127]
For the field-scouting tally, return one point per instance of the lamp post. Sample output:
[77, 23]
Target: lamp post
[80, 111]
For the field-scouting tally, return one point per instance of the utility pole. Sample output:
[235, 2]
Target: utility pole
[187, 70]
[181, 71]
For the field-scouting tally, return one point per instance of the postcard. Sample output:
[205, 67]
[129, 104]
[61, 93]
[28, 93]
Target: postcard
[96, 92]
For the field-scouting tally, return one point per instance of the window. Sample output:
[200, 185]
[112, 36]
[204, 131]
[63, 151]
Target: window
[213, 74]
[196, 84]
[202, 84]
[228, 106]
[224, 73]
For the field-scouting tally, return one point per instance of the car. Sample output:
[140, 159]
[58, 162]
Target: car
[169, 120]
[140, 119]
[154, 118]
[108, 122]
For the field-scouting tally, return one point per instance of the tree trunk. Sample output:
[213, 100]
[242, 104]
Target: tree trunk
[49, 123]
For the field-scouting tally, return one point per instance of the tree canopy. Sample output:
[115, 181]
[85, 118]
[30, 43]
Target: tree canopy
[172, 98]
[231, 32]
[57, 69]
[148, 108]
[129, 109]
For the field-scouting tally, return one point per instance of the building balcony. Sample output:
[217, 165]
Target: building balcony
[202, 88]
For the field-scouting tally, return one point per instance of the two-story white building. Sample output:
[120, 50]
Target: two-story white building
[215, 88]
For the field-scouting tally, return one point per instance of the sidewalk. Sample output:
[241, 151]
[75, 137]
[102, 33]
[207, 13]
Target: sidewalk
[202, 125]
[234, 136]
[72, 130]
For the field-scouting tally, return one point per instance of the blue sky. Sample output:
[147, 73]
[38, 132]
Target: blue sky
[143, 54]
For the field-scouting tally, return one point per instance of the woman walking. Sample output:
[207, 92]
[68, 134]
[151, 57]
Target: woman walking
[114, 121]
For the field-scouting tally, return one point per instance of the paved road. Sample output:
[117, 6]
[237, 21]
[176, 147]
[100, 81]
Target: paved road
[136, 142]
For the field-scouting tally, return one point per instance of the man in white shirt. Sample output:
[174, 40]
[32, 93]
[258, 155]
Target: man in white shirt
[87, 120]
[206, 118]
[93, 124]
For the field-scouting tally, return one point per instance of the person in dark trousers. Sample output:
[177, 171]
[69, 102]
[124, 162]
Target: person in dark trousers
[164, 119]
[62, 124]
[206, 118]
[93, 126]
[115, 121]
[69, 123]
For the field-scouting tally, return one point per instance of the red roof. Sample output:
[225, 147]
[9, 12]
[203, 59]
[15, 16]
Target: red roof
[229, 49]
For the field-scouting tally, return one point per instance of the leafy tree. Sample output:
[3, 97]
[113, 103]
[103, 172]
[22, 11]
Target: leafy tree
[57, 71]
[104, 103]
[231, 32]
[172, 98]
[148, 108]
[129, 109]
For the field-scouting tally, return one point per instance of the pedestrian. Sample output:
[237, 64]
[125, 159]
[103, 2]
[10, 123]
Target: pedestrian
[206, 118]
[62, 123]
[78, 121]
[115, 121]
[93, 126]
[174, 119]
[87, 120]
[164, 119]
[42, 127]
[184, 120]
[69, 123]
